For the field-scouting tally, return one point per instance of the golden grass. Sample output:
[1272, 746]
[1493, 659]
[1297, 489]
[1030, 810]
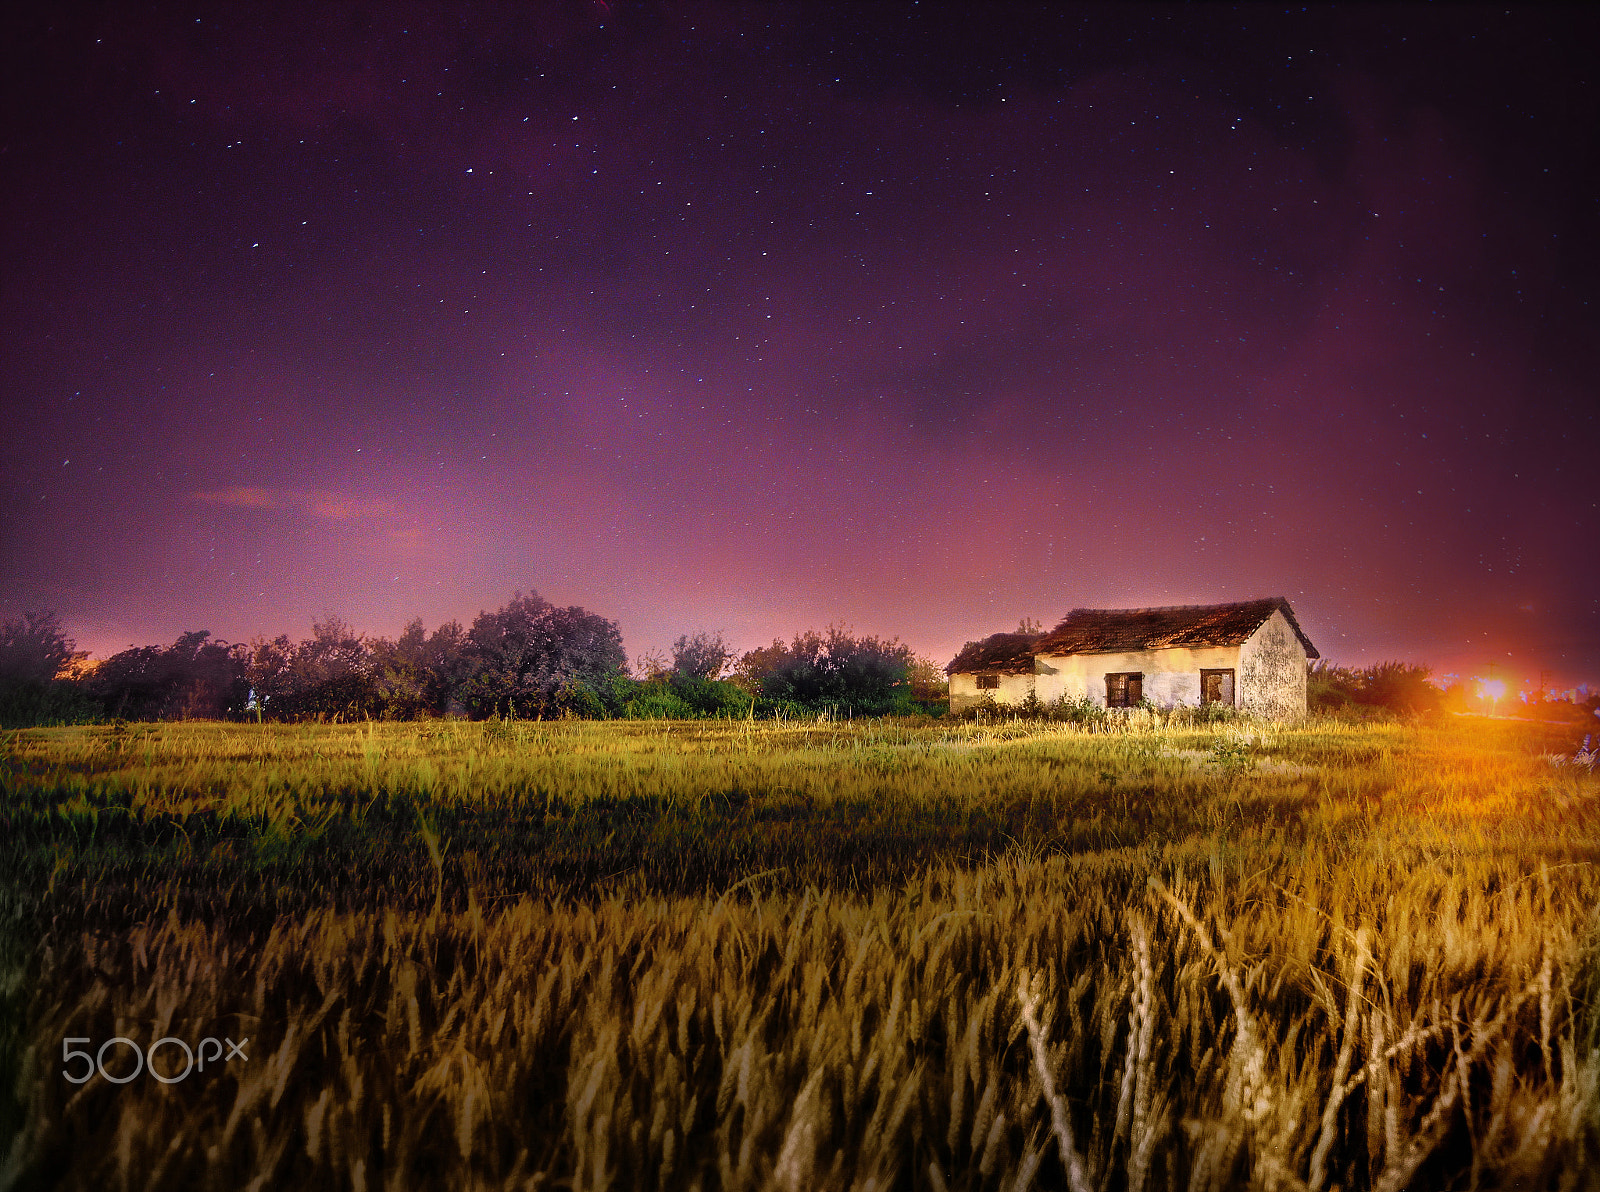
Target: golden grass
[1389, 984]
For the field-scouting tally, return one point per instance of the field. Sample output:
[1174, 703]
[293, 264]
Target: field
[725, 955]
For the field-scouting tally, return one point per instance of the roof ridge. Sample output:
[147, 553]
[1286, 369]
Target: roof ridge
[1181, 608]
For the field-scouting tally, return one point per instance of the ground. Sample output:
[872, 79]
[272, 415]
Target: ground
[751, 955]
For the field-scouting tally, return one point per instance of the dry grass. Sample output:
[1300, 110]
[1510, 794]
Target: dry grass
[1393, 987]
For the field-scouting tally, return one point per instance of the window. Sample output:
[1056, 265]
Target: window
[1216, 687]
[1124, 690]
[988, 682]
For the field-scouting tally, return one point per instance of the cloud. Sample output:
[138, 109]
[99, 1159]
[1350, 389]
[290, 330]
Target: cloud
[329, 506]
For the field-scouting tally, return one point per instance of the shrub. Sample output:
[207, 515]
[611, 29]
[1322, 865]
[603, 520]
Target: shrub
[31, 704]
[710, 697]
[656, 701]
[1399, 687]
[193, 677]
[837, 670]
[1081, 710]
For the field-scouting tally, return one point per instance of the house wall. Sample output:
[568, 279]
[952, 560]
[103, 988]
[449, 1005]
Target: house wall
[1171, 677]
[1013, 689]
[1272, 672]
[1269, 675]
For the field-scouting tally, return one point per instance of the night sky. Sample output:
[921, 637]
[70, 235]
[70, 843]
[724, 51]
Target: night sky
[916, 318]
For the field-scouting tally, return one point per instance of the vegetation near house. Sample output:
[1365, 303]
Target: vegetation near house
[526, 660]
[834, 669]
[1393, 686]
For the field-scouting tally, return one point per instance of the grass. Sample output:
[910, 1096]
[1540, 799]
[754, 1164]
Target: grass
[730, 955]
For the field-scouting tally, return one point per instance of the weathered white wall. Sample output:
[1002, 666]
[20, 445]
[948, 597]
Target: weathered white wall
[1272, 672]
[1269, 675]
[1013, 689]
[1171, 677]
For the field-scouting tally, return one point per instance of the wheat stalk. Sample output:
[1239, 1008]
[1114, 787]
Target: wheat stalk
[1341, 1068]
[1077, 1178]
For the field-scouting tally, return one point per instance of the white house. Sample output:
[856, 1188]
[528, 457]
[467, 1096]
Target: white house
[1251, 655]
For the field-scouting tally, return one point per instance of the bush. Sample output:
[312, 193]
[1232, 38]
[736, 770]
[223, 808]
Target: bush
[31, 704]
[578, 699]
[194, 677]
[837, 670]
[1082, 710]
[710, 697]
[1398, 687]
[656, 701]
[1216, 713]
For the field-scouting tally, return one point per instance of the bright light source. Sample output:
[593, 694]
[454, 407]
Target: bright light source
[1492, 689]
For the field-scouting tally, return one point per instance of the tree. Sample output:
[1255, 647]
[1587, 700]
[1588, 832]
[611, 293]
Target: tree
[535, 660]
[333, 652]
[700, 656]
[695, 677]
[269, 670]
[34, 648]
[195, 677]
[418, 673]
[652, 667]
[929, 683]
[331, 674]
[834, 669]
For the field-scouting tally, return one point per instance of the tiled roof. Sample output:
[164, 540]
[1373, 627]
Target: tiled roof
[997, 654]
[1119, 630]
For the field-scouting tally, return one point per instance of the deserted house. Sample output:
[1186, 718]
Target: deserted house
[1250, 655]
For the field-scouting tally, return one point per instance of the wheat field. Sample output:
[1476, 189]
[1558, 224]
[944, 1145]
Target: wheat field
[719, 956]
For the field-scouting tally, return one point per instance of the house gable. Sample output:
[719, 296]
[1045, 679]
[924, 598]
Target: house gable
[1272, 670]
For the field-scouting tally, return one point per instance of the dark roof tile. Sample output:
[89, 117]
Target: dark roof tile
[1115, 630]
[998, 654]
[1124, 630]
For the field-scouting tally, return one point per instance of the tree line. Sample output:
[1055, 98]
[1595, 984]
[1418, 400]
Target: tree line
[527, 660]
[1407, 689]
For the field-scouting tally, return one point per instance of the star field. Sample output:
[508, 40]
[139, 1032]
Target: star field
[755, 319]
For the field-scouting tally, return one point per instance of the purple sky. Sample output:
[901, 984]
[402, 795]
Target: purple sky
[755, 319]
